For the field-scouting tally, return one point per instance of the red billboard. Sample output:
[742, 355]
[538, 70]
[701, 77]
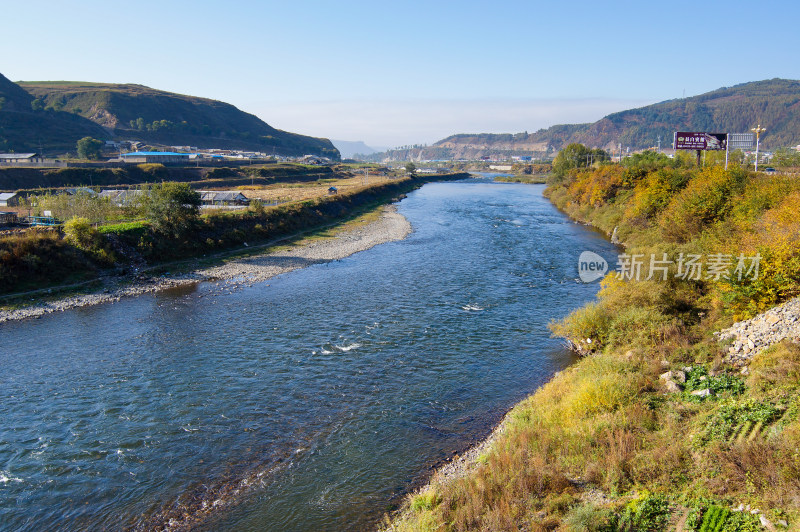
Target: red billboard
[700, 141]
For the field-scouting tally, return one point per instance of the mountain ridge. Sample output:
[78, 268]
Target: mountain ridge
[774, 104]
[22, 128]
[132, 111]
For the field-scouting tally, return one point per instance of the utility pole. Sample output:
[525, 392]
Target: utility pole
[659, 144]
[727, 150]
[758, 130]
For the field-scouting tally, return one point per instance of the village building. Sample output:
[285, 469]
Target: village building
[9, 199]
[222, 198]
[121, 197]
[155, 157]
[73, 191]
[15, 158]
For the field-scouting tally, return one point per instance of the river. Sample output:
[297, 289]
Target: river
[310, 402]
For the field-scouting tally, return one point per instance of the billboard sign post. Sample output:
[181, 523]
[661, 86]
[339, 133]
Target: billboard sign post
[700, 141]
[738, 141]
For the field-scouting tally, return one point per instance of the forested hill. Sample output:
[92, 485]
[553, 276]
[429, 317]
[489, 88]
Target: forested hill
[775, 104]
[25, 126]
[137, 112]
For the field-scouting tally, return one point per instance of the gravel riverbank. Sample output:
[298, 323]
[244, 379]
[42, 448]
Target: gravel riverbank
[389, 227]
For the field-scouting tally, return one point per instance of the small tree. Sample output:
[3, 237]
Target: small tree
[171, 207]
[80, 233]
[37, 104]
[576, 155]
[89, 148]
[411, 169]
[256, 206]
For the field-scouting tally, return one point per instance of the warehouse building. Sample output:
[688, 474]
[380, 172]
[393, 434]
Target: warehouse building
[155, 157]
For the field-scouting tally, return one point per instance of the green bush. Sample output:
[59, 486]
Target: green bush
[122, 227]
[742, 522]
[714, 519]
[647, 513]
[699, 379]
[80, 233]
[740, 417]
[706, 199]
[424, 501]
[590, 322]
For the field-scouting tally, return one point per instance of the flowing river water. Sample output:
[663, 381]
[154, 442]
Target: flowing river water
[310, 402]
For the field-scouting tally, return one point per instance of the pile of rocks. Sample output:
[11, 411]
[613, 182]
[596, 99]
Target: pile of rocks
[674, 381]
[766, 523]
[752, 336]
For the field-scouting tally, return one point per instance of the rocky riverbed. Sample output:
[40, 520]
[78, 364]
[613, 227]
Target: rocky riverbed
[752, 336]
[238, 272]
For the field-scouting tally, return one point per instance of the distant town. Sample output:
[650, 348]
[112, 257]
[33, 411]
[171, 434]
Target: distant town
[135, 152]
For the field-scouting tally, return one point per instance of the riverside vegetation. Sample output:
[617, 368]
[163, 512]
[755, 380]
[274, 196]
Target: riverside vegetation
[172, 229]
[653, 430]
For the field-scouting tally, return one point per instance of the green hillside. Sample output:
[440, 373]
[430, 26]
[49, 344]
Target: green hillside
[136, 112]
[13, 97]
[24, 129]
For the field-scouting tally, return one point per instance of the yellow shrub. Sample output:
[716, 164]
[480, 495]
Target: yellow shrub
[595, 187]
[706, 199]
[599, 384]
[776, 239]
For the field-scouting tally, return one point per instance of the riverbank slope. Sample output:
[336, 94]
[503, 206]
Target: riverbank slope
[656, 428]
[37, 266]
[377, 227]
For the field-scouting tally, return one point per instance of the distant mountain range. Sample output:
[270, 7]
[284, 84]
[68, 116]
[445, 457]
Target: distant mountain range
[55, 114]
[349, 148]
[775, 104]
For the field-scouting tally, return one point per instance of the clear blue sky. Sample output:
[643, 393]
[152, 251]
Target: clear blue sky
[393, 73]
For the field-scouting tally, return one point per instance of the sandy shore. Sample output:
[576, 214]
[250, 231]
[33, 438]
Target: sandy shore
[389, 227]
